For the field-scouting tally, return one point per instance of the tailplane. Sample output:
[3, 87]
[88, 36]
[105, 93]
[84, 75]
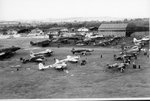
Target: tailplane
[136, 41]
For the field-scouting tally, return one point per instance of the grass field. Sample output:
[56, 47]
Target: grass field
[89, 81]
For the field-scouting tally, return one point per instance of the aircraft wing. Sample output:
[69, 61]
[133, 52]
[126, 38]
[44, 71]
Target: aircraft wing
[89, 50]
[2, 53]
[77, 50]
[58, 66]
[43, 52]
[145, 39]
[41, 66]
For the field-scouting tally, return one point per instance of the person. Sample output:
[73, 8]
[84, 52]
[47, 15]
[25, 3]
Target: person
[58, 46]
[17, 69]
[139, 66]
[126, 61]
[83, 62]
[135, 56]
[145, 53]
[134, 66]
[129, 61]
[101, 56]
[114, 55]
[122, 70]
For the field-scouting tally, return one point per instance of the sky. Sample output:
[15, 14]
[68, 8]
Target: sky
[45, 9]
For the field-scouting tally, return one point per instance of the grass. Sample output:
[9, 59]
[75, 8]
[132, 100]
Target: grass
[89, 81]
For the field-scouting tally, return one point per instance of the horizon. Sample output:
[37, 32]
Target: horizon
[72, 19]
[36, 10]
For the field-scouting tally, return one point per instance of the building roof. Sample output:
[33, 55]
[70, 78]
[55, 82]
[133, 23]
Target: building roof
[113, 26]
[56, 28]
[83, 29]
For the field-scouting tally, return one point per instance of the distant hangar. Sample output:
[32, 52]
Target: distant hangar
[113, 29]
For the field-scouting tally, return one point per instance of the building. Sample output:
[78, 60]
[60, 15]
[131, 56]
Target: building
[68, 34]
[36, 32]
[113, 29]
[56, 30]
[11, 32]
[64, 30]
[140, 34]
[83, 29]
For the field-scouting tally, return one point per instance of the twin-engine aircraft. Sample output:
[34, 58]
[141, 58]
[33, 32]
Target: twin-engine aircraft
[60, 64]
[37, 57]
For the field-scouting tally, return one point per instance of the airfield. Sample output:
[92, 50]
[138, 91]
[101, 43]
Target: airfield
[89, 81]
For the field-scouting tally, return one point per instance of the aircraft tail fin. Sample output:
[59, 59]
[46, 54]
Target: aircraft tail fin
[31, 53]
[41, 66]
[47, 50]
[57, 61]
[134, 40]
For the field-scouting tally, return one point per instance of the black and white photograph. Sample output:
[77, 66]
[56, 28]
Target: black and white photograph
[74, 49]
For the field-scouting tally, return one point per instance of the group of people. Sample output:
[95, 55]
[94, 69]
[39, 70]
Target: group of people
[126, 60]
[135, 66]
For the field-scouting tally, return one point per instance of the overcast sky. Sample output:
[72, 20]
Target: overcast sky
[43, 9]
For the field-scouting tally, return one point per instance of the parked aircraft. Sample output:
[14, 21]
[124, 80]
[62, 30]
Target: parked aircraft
[124, 57]
[118, 66]
[60, 64]
[133, 49]
[72, 59]
[45, 53]
[106, 42]
[57, 65]
[44, 43]
[67, 40]
[33, 59]
[146, 38]
[141, 41]
[82, 51]
[8, 52]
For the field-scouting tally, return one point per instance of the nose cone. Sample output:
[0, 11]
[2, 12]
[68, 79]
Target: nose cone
[17, 48]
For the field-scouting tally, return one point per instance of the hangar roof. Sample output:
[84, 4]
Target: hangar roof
[113, 27]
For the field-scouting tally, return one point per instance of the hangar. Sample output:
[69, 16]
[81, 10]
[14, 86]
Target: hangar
[113, 29]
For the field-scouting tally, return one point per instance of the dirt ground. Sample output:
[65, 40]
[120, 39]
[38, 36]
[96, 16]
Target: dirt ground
[89, 81]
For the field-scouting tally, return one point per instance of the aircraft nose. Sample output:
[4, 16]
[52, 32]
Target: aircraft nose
[18, 48]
